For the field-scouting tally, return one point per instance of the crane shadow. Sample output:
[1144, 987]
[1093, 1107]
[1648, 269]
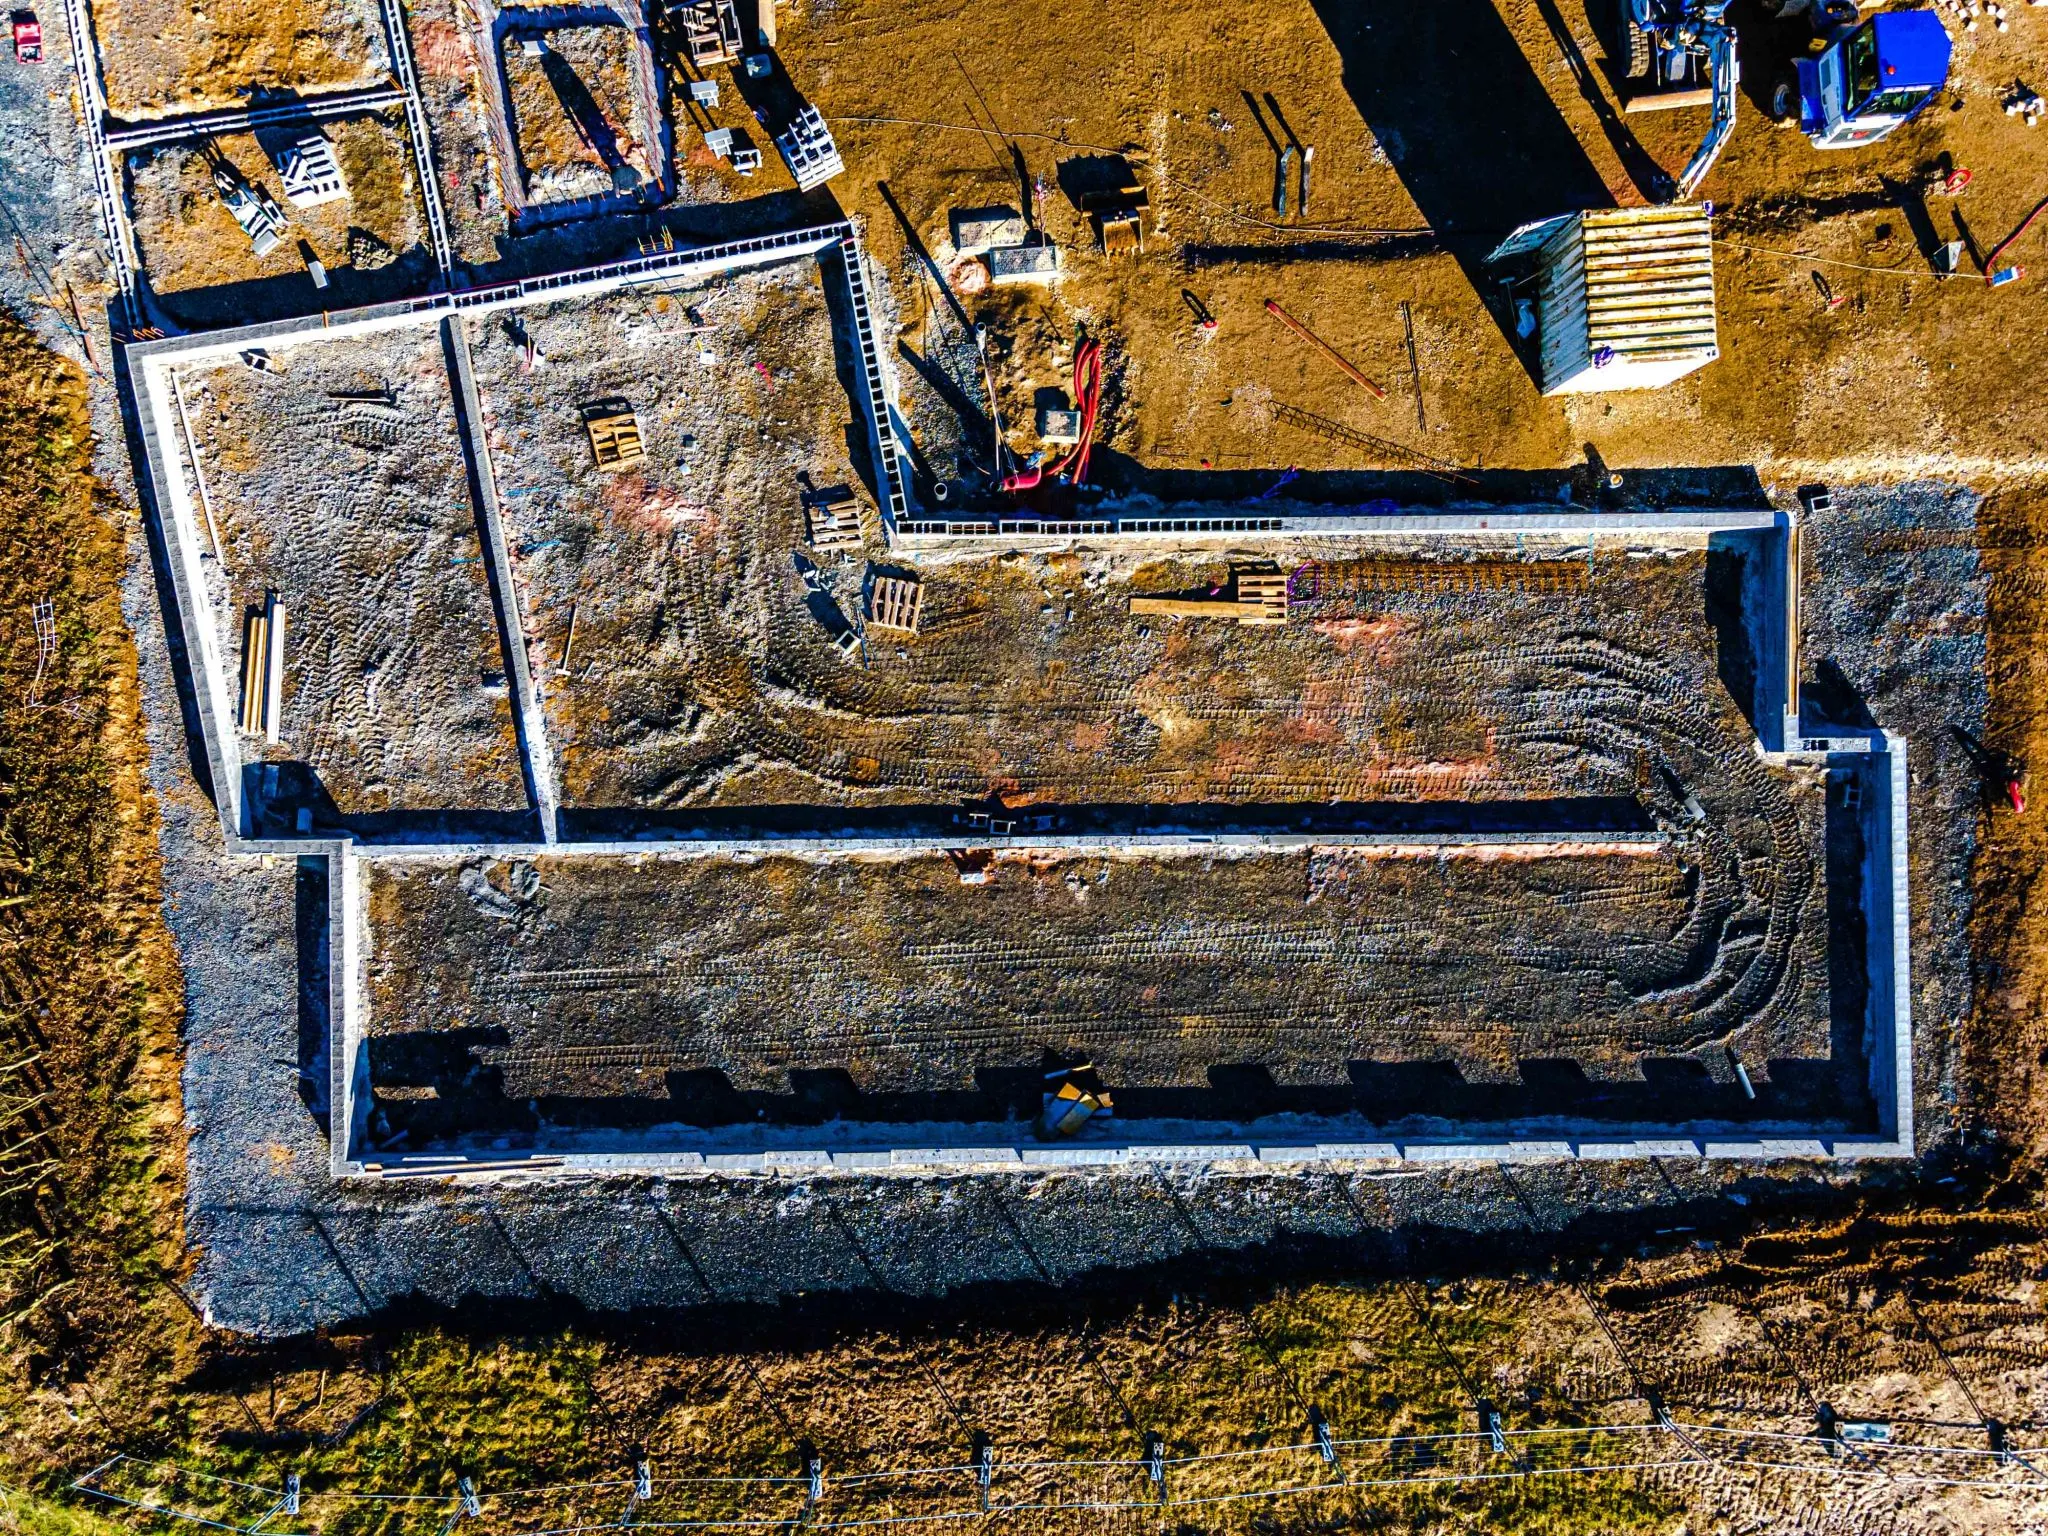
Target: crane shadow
[1461, 115]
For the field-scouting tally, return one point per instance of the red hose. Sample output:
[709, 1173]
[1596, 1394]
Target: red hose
[1073, 465]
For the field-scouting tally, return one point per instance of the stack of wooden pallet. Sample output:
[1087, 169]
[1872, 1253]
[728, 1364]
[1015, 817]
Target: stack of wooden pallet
[263, 668]
[834, 522]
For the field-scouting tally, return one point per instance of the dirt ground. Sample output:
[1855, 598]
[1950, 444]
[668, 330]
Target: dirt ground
[1465, 118]
[394, 686]
[570, 980]
[571, 131]
[161, 56]
[190, 243]
[731, 417]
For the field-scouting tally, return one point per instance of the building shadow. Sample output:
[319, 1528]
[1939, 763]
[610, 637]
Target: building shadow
[1457, 109]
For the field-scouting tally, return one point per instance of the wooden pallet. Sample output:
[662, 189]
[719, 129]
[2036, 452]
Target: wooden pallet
[1260, 598]
[896, 603]
[836, 526]
[615, 440]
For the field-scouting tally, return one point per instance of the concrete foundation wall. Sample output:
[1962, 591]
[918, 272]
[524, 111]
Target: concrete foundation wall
[1770, 601]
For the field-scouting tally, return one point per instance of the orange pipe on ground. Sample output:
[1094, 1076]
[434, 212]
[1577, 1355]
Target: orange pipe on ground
[1273, 308]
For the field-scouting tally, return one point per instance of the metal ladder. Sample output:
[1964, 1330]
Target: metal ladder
[126, 136]
[664, 263]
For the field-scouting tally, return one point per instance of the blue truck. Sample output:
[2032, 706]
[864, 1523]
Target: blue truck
[1849, 80]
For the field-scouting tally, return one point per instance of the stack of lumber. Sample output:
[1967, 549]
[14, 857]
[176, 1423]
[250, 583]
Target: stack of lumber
[263, 668]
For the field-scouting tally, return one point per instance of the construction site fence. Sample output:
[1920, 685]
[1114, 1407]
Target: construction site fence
[653, 1497]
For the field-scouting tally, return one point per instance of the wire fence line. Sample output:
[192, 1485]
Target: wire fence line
[1330, 1465]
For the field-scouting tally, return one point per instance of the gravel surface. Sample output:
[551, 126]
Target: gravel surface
[584, 981]
[1895, 633]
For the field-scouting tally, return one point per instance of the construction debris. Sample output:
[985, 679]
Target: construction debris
[310, 174]
[1074, 1096]
[834, 521]
[615, 440]
[896, 602]
[368, 252]
[260, 217]
[1274, 309]
[808, 150]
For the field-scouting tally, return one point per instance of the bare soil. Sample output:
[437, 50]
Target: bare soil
[576, 111]
[1907, 374]
[637, 556]
[394, 684]
[587, 979]
[161, 56]
[190, 243]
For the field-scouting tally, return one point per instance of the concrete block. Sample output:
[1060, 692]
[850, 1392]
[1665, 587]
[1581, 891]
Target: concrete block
[796, 1157]
[1360, 1151]
[1197, 1152]
[1074, 1156]
[1674, 1147]
[1794, 1146]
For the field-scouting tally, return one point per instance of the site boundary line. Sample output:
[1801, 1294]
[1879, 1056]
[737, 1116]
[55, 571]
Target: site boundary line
[458, 1502]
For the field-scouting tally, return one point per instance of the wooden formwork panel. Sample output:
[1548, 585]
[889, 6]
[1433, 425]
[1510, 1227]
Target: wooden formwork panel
[1455, 576]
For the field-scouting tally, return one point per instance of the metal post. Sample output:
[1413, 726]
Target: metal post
[471, 1506]
[1326, 1445]
[1155, 1463]
[643, 1480]
[984, 1465]
[291, 1493]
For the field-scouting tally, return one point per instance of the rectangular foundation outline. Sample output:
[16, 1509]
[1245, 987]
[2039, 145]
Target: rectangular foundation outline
[1878, 753]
